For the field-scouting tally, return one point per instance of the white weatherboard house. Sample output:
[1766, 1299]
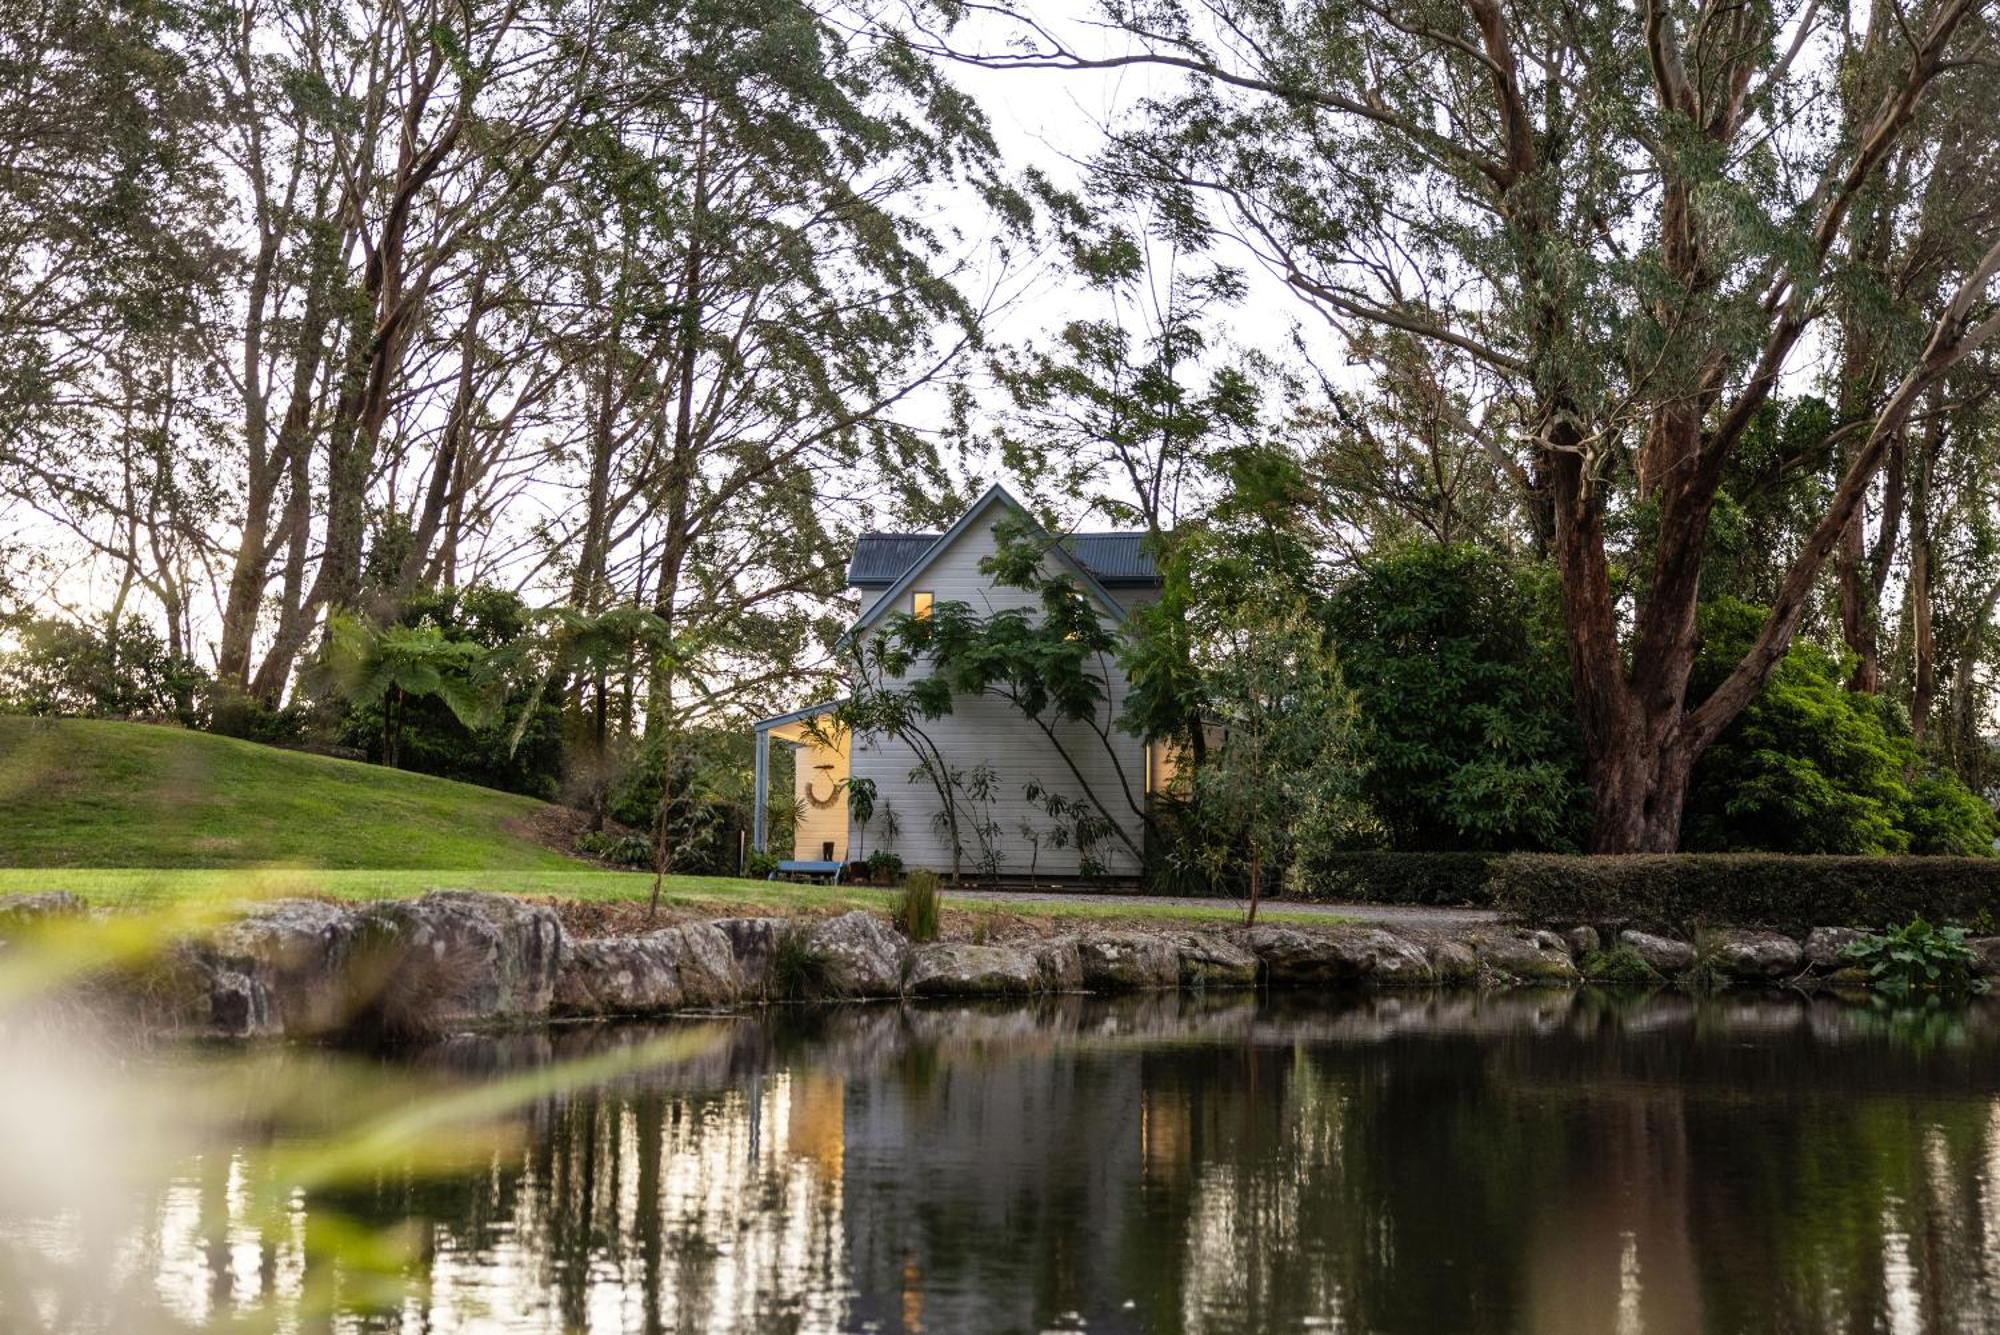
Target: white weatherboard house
[911, 573]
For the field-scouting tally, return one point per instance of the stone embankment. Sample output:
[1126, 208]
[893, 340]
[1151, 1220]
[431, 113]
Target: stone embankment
[457, 960]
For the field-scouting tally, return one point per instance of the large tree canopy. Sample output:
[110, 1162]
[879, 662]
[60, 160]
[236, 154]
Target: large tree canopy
[1607, 233]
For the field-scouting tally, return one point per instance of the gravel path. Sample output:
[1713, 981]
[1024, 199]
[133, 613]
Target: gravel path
[1387, 915]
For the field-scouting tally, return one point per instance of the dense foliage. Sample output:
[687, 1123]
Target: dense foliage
[1467, 739]
[1812, 767]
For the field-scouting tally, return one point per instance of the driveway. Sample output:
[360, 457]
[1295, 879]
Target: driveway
[1426, 917]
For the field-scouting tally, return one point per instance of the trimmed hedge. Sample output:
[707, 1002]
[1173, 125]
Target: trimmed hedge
[1441, 879]
[1682, 891]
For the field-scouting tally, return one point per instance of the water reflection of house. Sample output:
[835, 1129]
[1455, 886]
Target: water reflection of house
[985, 1192]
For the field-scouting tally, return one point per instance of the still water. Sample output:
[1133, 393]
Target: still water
[1511, 1163]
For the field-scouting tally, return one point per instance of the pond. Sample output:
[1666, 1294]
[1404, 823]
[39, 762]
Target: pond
[1518, 1162]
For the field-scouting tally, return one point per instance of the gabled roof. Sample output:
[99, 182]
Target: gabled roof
[1118, 560]
[994, 495]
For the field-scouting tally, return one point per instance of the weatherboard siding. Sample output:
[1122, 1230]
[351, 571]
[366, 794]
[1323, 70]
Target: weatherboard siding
[992, 731]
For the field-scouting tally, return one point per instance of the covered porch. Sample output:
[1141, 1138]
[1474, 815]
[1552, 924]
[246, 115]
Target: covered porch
[819, 784]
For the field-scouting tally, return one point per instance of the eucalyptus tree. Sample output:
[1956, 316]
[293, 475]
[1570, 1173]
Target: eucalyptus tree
[107, 273]
[1625, 225]
[758, 296]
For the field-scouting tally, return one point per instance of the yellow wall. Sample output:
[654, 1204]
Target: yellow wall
[814, 785]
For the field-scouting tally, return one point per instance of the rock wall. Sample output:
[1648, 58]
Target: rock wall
[455, 961]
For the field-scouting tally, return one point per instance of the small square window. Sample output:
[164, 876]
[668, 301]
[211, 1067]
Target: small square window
[920, 604]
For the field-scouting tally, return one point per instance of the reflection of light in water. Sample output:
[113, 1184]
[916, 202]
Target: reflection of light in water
[1989, 1211]
[1630, 1322]
[1904, 1307]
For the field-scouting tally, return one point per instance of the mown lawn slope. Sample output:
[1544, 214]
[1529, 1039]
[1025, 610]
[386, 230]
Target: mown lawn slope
[83, 793]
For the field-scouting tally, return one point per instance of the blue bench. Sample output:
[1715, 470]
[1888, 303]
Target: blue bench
[796, 867]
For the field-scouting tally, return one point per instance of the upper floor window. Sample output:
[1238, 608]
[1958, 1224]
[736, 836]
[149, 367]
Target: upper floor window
[920, 603]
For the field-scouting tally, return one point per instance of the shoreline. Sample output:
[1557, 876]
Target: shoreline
[459, 960]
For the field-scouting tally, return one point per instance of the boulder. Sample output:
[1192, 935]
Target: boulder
[1529, 957]
[1662, 953]
[944, 969]
[1826, 947]
[454, 958]
[1212, 961]
[1453, 962]
[752, 941]
[297, 953]
[864, 958]
[1582, 941]
[1295, 958]
[1985, 956]
[1058, 966]
[1128, 962]
[672, 969]
[1753, 957]
[25, 913]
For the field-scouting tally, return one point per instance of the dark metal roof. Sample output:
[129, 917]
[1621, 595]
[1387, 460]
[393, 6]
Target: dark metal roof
[881, 558]
[1114, 558]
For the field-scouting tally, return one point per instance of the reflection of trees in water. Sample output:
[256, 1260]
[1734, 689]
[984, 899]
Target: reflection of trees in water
[1468, 1164]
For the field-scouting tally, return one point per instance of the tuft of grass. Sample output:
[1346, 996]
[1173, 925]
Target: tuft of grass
[92, 793]
[800, 970]
[916, 909]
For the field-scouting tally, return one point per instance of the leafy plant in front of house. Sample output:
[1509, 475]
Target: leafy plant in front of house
[1916, 957]
[884, 867]
[861, 810]
[1076, 823]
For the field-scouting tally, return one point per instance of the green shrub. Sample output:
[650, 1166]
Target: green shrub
[916, 911]
[1916, 957]
[1392, 878]
[800, 970]
[624, 850]
[1680, 892]
[1622, 965]
[1812, 767]
[760, 864]
[1468, 736]
[885, 868]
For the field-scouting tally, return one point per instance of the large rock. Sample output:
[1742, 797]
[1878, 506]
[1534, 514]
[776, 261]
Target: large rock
[1985, 956]
[1295, 958]
[1058, 966]
[864, 958]
[454, 958]
[1212, 961]
[27, 913]
[753, 941]
[1128, 962]
[1754, 957]
[1454, 962]
[675, 968]
[1529, 957]
[944, 969]
[1662, 953]
[296, 956]
[1826, 947]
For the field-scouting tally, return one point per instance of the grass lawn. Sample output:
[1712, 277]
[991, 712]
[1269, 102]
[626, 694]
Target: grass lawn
[82, 793]
[717, 895]
[130, 814]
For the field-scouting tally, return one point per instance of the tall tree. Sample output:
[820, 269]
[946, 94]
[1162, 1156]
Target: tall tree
[1624, 221]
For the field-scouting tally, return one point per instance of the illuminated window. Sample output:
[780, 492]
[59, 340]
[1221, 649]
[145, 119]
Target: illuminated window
[920, 604]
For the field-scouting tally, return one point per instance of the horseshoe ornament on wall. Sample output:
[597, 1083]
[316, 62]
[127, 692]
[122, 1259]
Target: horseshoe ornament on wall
[832, 792]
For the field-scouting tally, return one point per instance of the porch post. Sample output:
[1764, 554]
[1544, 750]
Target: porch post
[762, 788]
